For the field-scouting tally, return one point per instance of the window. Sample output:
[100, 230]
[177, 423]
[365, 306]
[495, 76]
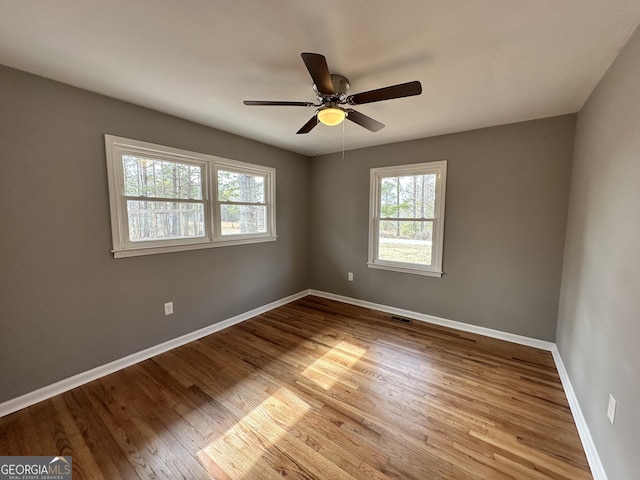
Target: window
[407, 218]
[165, 199]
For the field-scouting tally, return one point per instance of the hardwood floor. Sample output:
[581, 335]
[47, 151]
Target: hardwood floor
[316, 389]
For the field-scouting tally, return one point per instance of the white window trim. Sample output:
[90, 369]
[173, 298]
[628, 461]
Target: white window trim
[122, 247]
[376, 175]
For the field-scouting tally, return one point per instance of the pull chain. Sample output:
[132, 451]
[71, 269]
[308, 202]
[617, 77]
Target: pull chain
[317, 138]
[343, 140]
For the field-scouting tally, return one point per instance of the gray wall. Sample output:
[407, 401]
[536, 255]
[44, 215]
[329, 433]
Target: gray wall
[506, 204]
[599, 315]
[66, 305]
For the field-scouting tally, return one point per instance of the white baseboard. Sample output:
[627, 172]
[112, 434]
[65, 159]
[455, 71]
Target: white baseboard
[597, 469]
[465, 327]
[62, 386]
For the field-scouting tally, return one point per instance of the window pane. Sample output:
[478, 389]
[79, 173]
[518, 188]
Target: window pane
[410, 196]
[164, 220]
[240, 187]
[146, 177]
[408, 241]
[243, 219]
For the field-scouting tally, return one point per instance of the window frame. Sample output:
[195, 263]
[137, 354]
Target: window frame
[116, 147]
[439, 168]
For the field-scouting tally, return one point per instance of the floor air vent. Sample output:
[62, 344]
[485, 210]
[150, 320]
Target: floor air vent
[396, 318]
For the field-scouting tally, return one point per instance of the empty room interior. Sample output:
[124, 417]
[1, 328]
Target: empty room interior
[346, 240]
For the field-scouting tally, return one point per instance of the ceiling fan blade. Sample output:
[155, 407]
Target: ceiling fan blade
[363, 120]
[387, 93]
[272, 103]
[307, 127]
[319, 71]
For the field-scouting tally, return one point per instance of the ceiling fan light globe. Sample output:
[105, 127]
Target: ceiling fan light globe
[331, 116]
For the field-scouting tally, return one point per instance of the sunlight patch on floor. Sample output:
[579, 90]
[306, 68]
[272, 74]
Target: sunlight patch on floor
[327, 372]
[240, 448]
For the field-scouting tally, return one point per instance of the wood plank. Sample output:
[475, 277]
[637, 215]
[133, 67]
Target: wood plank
[84, 464]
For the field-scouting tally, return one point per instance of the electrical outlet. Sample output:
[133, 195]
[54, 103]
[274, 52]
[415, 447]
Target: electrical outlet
[350, 276]
[611, 409]
[168, 308]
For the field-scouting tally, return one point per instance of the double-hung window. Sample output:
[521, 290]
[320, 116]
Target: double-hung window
[406, 224]
[165, 199]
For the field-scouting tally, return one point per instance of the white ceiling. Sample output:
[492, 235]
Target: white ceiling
[481, 62]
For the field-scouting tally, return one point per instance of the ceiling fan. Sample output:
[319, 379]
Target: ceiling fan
[331, 94]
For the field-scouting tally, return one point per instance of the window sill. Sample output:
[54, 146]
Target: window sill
[156, 249]
[405, 269]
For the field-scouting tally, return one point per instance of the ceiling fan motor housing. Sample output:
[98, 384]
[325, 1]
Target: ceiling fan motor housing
[340, 88]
